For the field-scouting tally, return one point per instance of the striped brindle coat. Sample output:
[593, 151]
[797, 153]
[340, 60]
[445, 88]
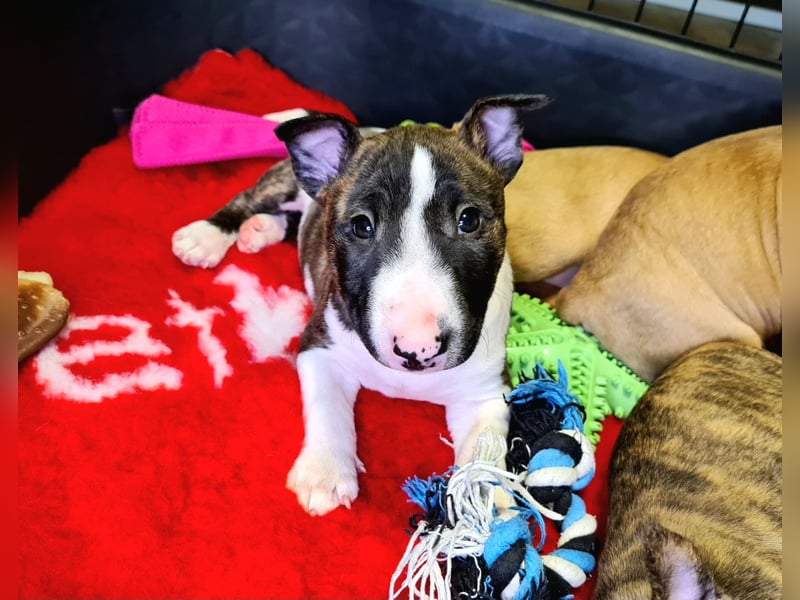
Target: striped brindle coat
[695, 509]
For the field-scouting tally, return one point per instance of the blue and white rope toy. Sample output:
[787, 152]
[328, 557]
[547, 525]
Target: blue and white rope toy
[463, 547]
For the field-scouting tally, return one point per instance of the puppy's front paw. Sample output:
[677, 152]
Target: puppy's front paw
[201, 244]
[260, 231]
[323, 481]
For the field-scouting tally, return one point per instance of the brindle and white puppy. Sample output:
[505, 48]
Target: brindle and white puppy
[404, 257]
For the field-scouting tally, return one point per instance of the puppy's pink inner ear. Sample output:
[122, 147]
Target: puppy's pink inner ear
[502, 134]
[319, 153]
[684, 580]
[677, 572]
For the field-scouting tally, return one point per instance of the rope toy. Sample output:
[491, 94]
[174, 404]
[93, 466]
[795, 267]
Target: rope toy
[462, 547]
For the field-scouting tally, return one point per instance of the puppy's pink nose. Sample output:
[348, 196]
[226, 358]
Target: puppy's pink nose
[420, 352]
[416, 336]
[417, 357]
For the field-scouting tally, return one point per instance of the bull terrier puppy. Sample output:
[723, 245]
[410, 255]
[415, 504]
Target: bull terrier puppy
[403, 254]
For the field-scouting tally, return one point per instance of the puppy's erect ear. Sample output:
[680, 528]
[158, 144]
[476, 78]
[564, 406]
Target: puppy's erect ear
[676, 572]
[492, 127]
[320, 146]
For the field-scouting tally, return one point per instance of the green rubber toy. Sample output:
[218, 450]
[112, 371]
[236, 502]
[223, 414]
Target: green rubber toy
[600, 381]
[408, 122]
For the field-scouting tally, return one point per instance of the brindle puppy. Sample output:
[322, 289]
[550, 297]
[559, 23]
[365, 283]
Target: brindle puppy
[695, 507]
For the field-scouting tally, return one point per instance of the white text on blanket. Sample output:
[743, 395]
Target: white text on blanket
[271, 318]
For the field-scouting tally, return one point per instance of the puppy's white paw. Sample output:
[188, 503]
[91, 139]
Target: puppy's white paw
[260, 231]
[323, 481]
[201, 244]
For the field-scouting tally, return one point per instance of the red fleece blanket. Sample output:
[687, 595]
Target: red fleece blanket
[156, 433]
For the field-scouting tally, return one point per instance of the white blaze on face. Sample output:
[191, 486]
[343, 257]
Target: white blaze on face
[413, 301]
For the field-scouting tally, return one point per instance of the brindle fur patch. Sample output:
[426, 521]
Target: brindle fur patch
[276, 188]
[700, 457]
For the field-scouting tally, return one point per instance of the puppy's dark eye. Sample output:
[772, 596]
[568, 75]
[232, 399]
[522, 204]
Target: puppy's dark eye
[469, 220]
[362, 227]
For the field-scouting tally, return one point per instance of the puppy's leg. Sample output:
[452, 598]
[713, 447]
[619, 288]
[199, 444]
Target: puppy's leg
[325, 474]
[204, 243]
[201, 244]
[272, 226]
[260, 231]
[466, 422]
[275, 196]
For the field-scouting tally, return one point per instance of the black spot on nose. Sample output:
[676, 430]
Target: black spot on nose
[412, 363]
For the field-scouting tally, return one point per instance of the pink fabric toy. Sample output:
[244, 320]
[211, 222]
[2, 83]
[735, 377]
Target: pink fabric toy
[166, 132]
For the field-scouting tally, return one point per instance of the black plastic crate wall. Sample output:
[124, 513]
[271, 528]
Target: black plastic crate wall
[745, 28]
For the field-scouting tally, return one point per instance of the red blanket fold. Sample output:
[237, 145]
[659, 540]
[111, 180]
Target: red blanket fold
[156, 433]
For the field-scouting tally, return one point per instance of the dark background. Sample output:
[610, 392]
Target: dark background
[85, 65]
